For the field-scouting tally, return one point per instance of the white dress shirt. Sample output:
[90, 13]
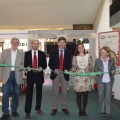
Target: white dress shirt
[13, 59]
[106, 77]
[63, 51]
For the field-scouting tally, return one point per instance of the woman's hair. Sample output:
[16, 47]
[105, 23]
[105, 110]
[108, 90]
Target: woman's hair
[107, 49]
[76, 49]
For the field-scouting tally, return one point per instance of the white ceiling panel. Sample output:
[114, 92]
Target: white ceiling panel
[26, 14]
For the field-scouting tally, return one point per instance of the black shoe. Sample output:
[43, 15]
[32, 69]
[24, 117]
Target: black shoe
[15, 114]
[80, 114]
[103, 114]
[53, 112]
[5, 117]
[84, 114]
[40, 112]
[66, 111]
[107, 115]
[27, 117]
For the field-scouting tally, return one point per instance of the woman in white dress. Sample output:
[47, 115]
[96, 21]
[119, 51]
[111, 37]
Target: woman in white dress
[82, 63]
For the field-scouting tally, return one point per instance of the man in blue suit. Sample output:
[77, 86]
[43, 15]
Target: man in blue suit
[60, 61]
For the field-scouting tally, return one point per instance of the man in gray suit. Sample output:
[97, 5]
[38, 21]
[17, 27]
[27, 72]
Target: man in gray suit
[11, 77]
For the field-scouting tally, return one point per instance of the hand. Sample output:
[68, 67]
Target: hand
[98, 73]
[40, 69]
[88, 70]
[73, 69]
[65, 70]
[113, 72]
[28, 68]
[57, 71]
[20, 68]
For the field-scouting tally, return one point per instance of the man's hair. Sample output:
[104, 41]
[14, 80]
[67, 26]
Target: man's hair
[35, 39]
[15, 38]
[61, 38]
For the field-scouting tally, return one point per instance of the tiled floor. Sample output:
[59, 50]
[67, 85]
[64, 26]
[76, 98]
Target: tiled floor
[22, 95]
[116, 103]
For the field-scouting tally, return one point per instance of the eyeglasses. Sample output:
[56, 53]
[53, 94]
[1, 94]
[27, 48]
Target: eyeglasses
[103, 52]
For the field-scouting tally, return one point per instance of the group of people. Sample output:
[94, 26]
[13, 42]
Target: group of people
[60, 62]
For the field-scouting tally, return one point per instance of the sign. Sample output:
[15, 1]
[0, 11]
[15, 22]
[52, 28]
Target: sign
[112, 40]
[22, 46]
[21, 34]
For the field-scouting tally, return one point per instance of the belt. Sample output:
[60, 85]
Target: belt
[35, 71]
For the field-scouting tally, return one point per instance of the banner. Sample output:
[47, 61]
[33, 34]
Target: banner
[22, 46]
[21, 34]
[112, 40]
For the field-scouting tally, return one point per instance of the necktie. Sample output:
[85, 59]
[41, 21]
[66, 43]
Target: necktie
[61, 60]
[34, 60]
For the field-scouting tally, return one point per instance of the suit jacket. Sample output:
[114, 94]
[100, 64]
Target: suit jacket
[6, 59]
[41, 63]
[99, 68]
[54, 62]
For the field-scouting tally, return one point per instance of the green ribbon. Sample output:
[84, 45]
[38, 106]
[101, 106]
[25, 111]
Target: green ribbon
[70, 72]
[89, 74]
[85, 74]
[22, 68]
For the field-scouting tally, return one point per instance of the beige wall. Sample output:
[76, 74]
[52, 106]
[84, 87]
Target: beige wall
[101, 23]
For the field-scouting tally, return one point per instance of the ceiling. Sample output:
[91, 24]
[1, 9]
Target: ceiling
[47, 14]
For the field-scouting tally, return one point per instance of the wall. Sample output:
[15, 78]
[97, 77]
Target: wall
[101, 23]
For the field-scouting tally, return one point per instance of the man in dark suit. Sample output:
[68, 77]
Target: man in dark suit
[60, 61]
[34, 59]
